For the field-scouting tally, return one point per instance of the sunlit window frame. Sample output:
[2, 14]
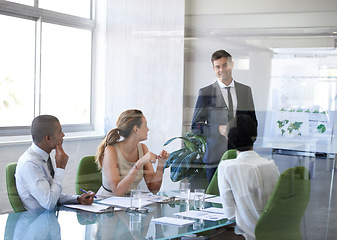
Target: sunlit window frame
[46, 16]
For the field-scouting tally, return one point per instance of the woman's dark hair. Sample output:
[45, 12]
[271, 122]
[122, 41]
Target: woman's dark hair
[125, 123]
[241, 132]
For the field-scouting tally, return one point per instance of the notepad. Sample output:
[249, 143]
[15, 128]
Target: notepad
[201, 215]
[94, 208]
[172, 221]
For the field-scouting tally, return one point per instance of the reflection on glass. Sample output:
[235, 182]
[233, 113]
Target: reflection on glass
[16, 71]
[25, 2]
[33, 225]
[123, 225]
[66, 73]
[79, 8]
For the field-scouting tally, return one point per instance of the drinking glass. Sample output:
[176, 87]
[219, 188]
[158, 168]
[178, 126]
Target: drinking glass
[135, 222]
[185, 191]
[199, 199]
[136, 200]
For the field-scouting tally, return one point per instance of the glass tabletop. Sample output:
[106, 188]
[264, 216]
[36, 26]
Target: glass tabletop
[67, 223]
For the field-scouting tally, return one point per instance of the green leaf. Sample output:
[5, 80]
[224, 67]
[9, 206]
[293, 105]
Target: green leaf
[173, 156]
[189, 134]
[180, 167]
[202, 139]
[190, 145]
[170, 140]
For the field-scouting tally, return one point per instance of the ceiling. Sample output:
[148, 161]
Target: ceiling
[260, 25]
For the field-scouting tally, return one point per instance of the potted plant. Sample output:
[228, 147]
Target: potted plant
[187, 161]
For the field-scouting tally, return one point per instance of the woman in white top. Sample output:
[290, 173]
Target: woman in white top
[124, 161]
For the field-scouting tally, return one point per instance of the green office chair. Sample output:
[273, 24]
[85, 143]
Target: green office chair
[12, 192]
[213, 187]
[281, 217]
[88, 176]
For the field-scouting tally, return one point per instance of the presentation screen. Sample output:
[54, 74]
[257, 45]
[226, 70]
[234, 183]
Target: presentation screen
[302, 101]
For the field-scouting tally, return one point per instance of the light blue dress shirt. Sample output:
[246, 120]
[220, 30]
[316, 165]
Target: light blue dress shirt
[36, 188]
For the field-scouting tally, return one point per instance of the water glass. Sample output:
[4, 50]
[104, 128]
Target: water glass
[136, 198]
[135, 222]
[198, 224]
[185, 191]
[199, 199]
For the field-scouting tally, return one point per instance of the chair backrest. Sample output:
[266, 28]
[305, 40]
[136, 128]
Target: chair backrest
[88, 176]
[281, 217]
[12, 192]
[213, 187]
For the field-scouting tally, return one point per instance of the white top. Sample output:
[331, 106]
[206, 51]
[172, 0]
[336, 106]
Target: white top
[225, 94]
[36, 188]
[245, 185]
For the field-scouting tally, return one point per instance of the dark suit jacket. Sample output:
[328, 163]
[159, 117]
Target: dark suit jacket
[212, 111]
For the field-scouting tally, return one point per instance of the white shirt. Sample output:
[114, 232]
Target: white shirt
[225, 95]
[36, 188]
[245, 185]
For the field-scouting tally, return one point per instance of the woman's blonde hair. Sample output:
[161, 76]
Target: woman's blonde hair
[125, 124]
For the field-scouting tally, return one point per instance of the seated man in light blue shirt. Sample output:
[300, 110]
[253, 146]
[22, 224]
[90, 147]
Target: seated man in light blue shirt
[39, 185]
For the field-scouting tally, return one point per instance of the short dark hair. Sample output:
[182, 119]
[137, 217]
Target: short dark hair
[220, 54]
[42, 126]
[241, 132]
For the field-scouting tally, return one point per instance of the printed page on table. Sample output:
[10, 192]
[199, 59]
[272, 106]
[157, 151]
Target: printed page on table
[201, 215]
[124, 202]
[172, 221]
[94, 208]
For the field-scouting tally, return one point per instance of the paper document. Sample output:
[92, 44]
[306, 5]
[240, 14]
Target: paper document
[124, 202]
[172, 221]
[201, 215]
[213, 210]
[95, 208]
[214, 200]
[158, 198]
[192, 196]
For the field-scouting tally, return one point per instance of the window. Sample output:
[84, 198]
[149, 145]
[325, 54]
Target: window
[45, 64]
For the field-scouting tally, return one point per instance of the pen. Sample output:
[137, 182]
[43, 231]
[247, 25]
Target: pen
[86, 192]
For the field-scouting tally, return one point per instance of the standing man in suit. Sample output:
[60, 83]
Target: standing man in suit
[216, 105]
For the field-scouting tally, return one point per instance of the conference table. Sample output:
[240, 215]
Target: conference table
[68, 223]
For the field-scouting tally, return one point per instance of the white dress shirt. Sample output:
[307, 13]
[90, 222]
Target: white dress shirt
[36, 188]
[225, 94]
[245, 185]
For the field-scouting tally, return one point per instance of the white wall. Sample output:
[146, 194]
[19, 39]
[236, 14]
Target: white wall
[145, 42]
